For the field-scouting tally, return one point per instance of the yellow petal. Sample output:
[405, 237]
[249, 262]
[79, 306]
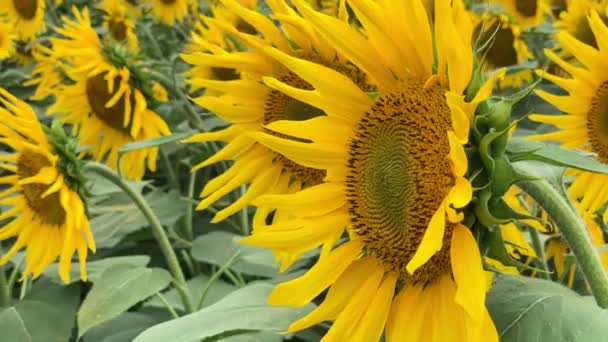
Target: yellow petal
[431, 242]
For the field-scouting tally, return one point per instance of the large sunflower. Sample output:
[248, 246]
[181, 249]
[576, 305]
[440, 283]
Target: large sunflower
[574, 19]
[49, 219]
[396, 174]
[105, 107]
[526, 13]
[169, 12]
[584, 123]
[27, 17]
[119, 24]
[248, 104]
[7, 37]
[500, 45]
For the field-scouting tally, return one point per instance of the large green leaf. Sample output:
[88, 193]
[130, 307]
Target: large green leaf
[244, 309]
[119, 287]
[524, 149]
[125, 327]
[218, 247]
[218, 290]
[534, 310]
[47, 314]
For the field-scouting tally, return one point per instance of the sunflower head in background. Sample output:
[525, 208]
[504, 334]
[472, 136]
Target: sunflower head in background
[26, 16]
[119, 24]
[104, 100]
[526, 13]
[44, 194]
[170, 12]
[46, 75]
[574, 20]
[396, 177]
[583, 123]
[500, 45]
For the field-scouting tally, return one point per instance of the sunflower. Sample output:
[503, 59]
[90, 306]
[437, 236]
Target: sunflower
[501, 45]
[46, 76]
[169, 12]
[27, 17]
[102, 103]
[517, 245]
[118, 23]
[247, 104]
[49, 219]
[583, 125]
[526, 13]
[574, 20]
[396, 176]
[7, 37]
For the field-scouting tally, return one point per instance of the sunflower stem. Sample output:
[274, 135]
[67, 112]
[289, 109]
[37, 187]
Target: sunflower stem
[4, 293]
[573, 229]
[157, 230]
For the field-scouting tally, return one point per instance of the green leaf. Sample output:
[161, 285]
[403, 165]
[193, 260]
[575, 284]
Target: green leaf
[96, 268]
[125, 327]
[218, 290]
[47, 314]
[535, 310]
[244, 309]
[138, 145]
[523, 149]
[218, 247]
[119, 288]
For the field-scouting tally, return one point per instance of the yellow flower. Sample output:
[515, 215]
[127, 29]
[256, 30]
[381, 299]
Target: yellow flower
[7, 38]
[49, 219]
[46, 74]
[396, 176]
[526, 13]
[105, 108]
[159, 92]
[583, 125]
[169, 12]
[119, 24]
[26, 16]
[501, 46]
[248, 105]
[574, 19]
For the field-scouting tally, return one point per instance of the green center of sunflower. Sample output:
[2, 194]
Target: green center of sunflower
[47, 209]
[584, 33]
[497, 45]
[597, 123]
[399, 174]
[98, 95]
[279, 106]
[118, 30]
[26, 8]
[527, 8]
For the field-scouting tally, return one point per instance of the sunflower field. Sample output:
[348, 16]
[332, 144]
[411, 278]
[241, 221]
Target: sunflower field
[303, 170]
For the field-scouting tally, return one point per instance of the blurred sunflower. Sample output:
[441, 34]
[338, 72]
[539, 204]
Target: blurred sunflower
[500, 45]
[575, 22]
[396, 176]
[526, 13]
[119, 25]
[27, 17]
[248, 104]
[517, 245]
[558, 6]
[169, 12]
[49, 219]
[103, 104]
[584, 123]
[46, 75]
[7, 37]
